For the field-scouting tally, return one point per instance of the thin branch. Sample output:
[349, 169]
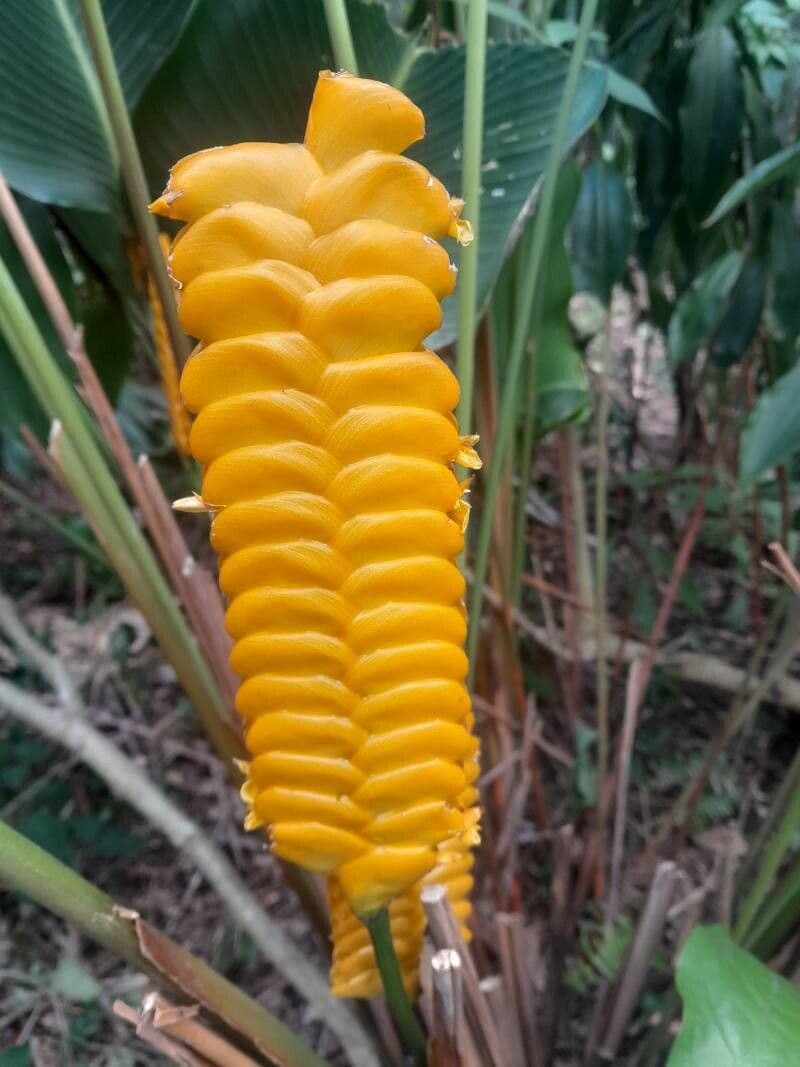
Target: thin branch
[127, 781]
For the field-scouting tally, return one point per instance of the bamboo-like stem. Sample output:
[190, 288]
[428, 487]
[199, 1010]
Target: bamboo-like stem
[26, 868]
[341, 38]
[522, 324]
[600, 595]
[103, 504]
[408, 1028]
[132, 170]
[645, 941]
[68, 725]
[474, 84]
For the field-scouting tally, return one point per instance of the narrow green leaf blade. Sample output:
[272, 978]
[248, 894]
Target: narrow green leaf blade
[711, 117]
[626, 91]
[601, 233]
[737, 1013]
[772, 433]
[764, 173]
[700, 308]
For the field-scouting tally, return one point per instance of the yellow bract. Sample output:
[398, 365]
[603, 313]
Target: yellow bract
[311, 275]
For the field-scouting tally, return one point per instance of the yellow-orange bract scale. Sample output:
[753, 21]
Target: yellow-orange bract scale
[311, 276]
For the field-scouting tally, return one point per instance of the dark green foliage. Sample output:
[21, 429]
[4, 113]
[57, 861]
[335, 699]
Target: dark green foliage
[736, 1011]
[711, 118]
[601, 234]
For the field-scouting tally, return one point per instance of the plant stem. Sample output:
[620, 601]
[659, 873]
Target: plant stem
[522, 325]
[26, 868]
[104, 506]
[132, 170]
[380, 931]
[340, 35]
[600, 592]
[474, 84]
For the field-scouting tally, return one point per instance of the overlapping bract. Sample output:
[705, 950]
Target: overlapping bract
[311, 274]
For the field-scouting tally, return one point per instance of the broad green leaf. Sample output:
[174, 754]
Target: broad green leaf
[246, 69]
[523, 89]
[737, 327]
[142, 34]
[784, 253]
[764, 173]
[700, 309]
[562, 390]
[711, 117]
[55, 140]
[601, 234]
[657, 147]
[628, 92]
[772, 433]
[56, 144]
[736, 1012]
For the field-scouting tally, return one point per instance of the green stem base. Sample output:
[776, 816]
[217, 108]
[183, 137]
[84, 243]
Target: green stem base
[408, 1028]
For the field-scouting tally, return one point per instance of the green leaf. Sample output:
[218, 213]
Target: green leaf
[245, 70]
[56, 143]
[737, 1013]
[700, 308]
[601, 234]
[73, 982]
[142, 34]
[561, 386]
[711, 117]
[626, 91]
[784, 252]
[764, 173]
[772, 433]
[737, 327]
[55, 140]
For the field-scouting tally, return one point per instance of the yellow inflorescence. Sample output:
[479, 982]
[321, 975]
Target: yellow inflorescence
[311, 275]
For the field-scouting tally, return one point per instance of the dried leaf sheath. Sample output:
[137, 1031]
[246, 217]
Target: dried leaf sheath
[311, 275]
[165, 357]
